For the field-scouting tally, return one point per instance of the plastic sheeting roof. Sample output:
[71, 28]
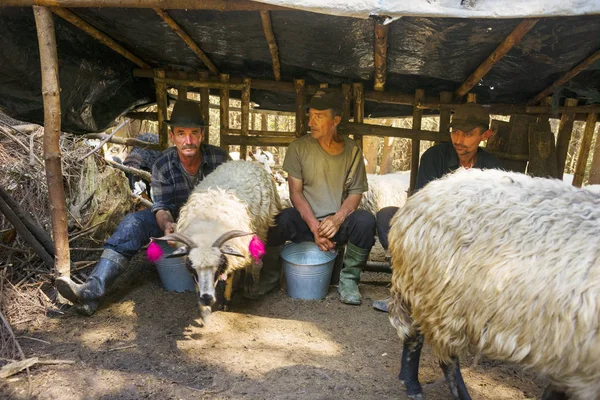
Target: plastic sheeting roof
[432, 53]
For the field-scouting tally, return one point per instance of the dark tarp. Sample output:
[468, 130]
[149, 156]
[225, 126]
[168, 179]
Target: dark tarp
[434, 54]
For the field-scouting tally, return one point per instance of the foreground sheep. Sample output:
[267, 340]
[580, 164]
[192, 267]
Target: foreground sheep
[505, 265]
[215, 225]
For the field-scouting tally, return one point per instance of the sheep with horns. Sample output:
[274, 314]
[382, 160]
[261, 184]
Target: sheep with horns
[223, 227]
[505, 265]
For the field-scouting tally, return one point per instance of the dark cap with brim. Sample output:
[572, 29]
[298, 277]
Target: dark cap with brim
[469, 116]
[326, 99]
[186, 114]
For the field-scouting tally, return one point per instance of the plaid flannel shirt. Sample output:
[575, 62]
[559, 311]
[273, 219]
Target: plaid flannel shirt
[170, 188]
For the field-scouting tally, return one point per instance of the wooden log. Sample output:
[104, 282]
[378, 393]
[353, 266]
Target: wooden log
[98, 35]
[217, 5]
[138, 172]
[358, 92]
[205, 106]
[300, 107]
[265, 17]
[37, 231]
[445, 97]
[347, 94]
[416, 144]
[52, 155]
[566, 77]
[124, 141]
[542, 151]
[380, 55]
[584, 149]
[508, 43]
[282, 141]
[565, 128]
[200, 84]
[224, 111]
[26, 234]
[161, 107]
[181, 91]
[245, 115]
[187, 39]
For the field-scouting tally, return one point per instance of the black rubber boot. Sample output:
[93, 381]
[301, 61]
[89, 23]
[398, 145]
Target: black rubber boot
[455, 380]
[87, 296]
[409, 368]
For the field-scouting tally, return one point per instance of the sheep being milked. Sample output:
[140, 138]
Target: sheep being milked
[505, 265]
[223, 227]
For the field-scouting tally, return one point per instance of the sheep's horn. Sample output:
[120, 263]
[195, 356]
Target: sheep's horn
[178, 237]
[228, 236]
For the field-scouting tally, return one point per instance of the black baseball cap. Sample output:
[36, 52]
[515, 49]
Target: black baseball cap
[327, 98]
[469, 116]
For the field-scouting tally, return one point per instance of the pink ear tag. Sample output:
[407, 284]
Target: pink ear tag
[256, 248]
[154, 252]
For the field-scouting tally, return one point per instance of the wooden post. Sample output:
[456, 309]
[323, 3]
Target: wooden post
[205, 106]
[300, 107]
[594, 177]
[52, 156]
[182, 89]
[416, 143]
[565, 128]
[471, 97]
[347, 93]
[584, 149]
[380, 55]
[508, 43]
[245, 115]
[224, 112]
[161, 107]
[445, 97]
[358, 92]
[265, 17]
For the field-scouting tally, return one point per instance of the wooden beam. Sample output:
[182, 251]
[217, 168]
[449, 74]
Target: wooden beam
[218, 5]
[300, 107]
[181, 90]
[358, 92]
[265, 17]
[245, 115]
[257, 140]
[224, 112]
[584, 149]
[205, 106]
[187, 39]
[98, 35]
[563, 139]
[380, 55]
[388, 131]
[566, 77]
[508, 43]
[161, 106]
[52, 156]
[264, 132]
[200, 84]
[416, 143]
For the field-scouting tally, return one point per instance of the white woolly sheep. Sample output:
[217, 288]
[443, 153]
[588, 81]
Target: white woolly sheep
[385, 190]
[505, 265]
[214, 225]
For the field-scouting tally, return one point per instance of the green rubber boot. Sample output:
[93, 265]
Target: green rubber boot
[270, 273]
[355, 259]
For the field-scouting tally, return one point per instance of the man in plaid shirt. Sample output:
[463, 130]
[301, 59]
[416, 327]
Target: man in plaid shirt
[174, 175]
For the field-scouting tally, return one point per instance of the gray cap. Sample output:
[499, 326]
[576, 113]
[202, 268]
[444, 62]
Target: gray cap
[469, 116]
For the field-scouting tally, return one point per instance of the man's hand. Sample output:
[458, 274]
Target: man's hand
[324, 243]
[329, 226]
[170, 227]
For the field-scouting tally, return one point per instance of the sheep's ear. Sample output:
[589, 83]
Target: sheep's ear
[179, 252]
[228, 250]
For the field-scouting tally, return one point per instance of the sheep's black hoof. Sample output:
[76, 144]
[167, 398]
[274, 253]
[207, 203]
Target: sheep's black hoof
[414, 391]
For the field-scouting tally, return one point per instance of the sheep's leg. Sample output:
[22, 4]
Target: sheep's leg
[455, 380]
[409, 369]
[228, 292]
[552, 393]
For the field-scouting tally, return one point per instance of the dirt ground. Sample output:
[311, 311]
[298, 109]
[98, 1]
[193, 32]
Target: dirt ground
[146, 343]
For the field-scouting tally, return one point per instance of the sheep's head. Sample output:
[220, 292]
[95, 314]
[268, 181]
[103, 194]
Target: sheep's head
[206, 264]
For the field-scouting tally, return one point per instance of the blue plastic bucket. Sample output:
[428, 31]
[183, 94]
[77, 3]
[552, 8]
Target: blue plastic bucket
[307, 270]
[172, 271]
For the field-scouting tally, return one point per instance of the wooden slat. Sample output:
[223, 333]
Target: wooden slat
[416, 144]
[218, 5]
[300, 107]
[224, 113]
[161, 107]
[98, 35]
[52, 155]
[380, 55]
[231, 140]
[358, 92]
[567, 77]
[245, 115]
[563, 139]
[584, 149]
[508, 43]
[200, 84]
[187, 39]
[205, 106]
[265, 17]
